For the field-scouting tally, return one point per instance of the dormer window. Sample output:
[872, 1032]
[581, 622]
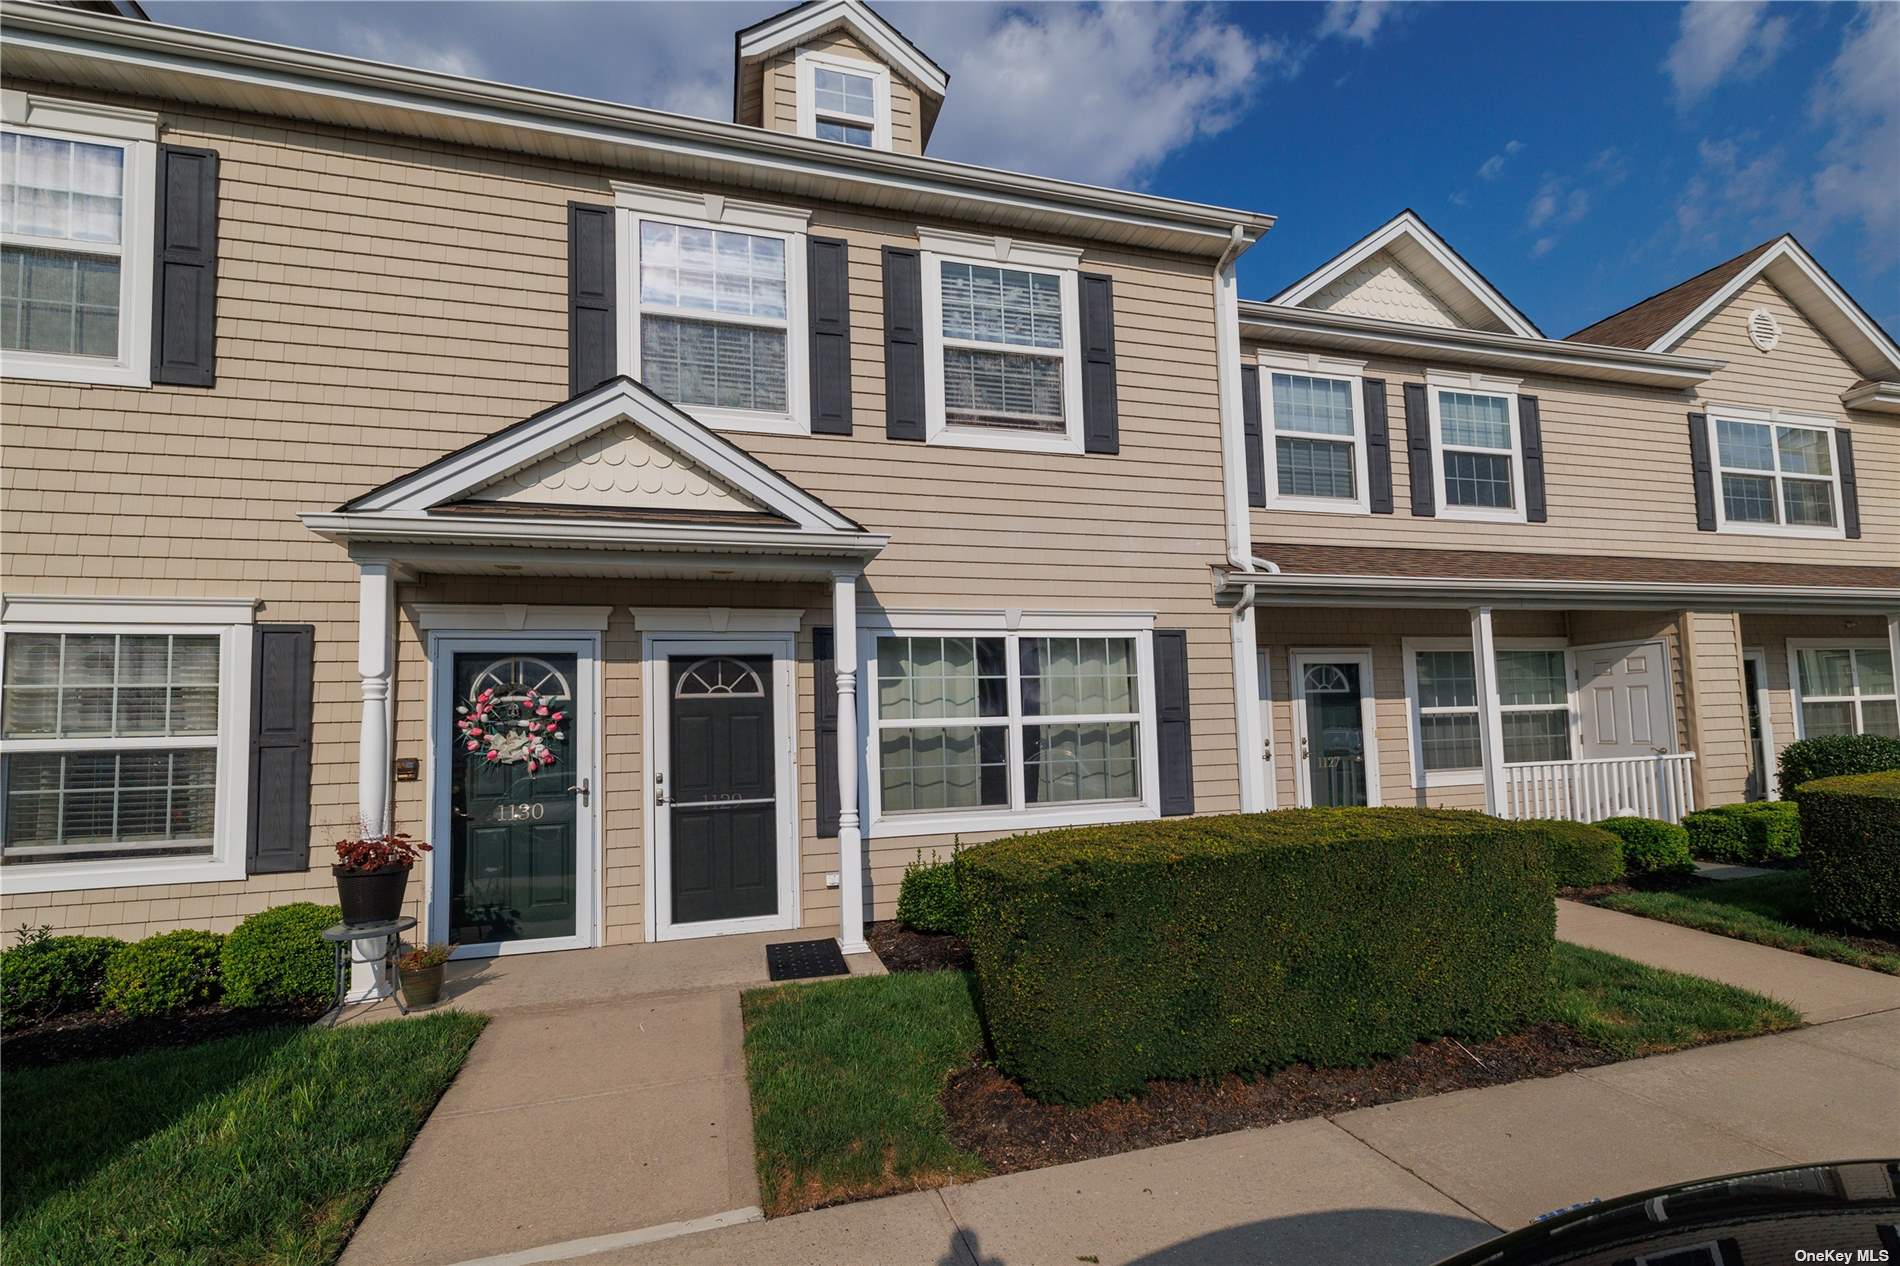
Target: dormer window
[845, 100]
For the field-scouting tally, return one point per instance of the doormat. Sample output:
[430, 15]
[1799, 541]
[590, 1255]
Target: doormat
[802, 960]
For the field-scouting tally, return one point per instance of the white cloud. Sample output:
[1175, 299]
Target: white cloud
[1357, 20]
[1858, 100]
[1459, 198]
[1493, 167]
[1720, 38]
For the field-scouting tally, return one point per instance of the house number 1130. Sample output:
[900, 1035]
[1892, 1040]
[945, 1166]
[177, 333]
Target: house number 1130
[520, 812]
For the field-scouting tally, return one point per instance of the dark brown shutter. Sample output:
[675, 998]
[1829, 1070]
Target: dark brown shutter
[1530, 434]
[1174, 736]
[1418, 450]
[1252, 425]
[1101, 431]
[1850, 487]
[829, 289]
[185, 269]
[1378, 447]
[281, 662]
[824, 724]
[590, 297]
[903, 344]
[1704, 472]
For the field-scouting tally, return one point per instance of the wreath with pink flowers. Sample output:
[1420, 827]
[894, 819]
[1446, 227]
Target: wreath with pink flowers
[511, 730]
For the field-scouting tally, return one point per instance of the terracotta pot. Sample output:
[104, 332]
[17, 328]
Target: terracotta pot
[370, 896]
[422, 987]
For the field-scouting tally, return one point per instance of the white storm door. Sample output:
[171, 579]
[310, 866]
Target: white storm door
[1624, 699]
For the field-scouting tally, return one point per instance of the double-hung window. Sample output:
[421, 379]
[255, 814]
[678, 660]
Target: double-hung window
[1777, 474]
[1844, 690]
[718, 321]
[987, 729]
[1001, 336]
[1476, 448]
[1315, 433]
[122, 742]
[1533, 706]
[843, 99]
[76, 208]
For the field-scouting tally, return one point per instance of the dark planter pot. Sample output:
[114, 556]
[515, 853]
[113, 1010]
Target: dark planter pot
[370, 896]
[421, 988]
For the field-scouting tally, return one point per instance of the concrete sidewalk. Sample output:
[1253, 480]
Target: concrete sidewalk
[1818, 989]
[1402, 1183]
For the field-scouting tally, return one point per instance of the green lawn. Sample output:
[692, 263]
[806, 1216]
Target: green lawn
[847, 1076]
[1767, 909]
[264, 1148]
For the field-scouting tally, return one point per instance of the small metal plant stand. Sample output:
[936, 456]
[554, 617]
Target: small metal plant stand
[344, 935]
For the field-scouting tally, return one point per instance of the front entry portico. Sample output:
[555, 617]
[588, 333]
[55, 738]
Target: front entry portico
[675, 778]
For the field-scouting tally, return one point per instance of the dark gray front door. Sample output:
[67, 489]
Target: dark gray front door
[513, 803]
[722, 789]
[1335, 733]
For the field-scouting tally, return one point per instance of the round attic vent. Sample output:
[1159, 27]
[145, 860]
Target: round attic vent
[1763, 330]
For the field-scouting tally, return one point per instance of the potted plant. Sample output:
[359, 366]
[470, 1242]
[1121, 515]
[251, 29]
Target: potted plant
[421, 967]
[371, 872]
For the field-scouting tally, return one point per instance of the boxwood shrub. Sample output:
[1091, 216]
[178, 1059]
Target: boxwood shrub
[1582, 856]
[276, 958]
[46, 975]
[1107, 956]
[1651, 846]
[167, 972]
[1751, 833]
[1835, 755]
[928, 899]
[1850, 828]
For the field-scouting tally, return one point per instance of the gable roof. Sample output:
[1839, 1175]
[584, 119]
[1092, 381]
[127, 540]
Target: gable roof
[802, 22]
[1661, 322]
[1425, 255]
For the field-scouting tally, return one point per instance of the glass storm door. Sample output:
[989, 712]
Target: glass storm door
[721, 789]
[514, 798]
[1335, 732]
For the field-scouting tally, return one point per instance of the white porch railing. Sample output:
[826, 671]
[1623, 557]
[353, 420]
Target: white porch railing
[1591, 790]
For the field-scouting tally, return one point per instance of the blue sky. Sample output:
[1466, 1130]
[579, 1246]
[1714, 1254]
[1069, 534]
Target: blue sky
[1582, 156]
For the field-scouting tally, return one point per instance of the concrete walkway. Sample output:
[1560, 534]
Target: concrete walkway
[608, 1092]
[1818, 989]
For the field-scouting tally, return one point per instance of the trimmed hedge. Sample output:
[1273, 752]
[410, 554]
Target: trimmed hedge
[1651, 847]
[1191, 947]
[45, 975]
[276, 958]
[1834, 756]
[167, 972]
[928, 899]
[1582, 856]
[1851, 829]
[1750, 833]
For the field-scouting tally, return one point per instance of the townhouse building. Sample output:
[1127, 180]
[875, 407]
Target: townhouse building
[685, 524]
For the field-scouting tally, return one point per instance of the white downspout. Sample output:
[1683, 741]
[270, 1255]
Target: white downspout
[1248, 739]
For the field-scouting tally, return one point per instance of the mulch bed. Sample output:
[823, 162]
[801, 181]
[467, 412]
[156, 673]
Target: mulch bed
[904, 950]
[991, 1116]
[101, 1035]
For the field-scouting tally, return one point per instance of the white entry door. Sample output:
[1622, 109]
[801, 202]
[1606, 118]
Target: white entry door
[1624, 697]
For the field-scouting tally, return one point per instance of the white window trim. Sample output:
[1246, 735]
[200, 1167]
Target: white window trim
[1351, 372]
[715, 211]
[1414, 733]
[232, 621]
[939, 245]
[1772, 418]
[809, 60]
[1438, 380]
[1010, 626]
[136, 132]
[1797, 645]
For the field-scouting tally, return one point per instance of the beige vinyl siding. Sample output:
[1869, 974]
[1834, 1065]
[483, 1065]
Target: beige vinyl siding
[1617, 471]
[383, 302]
[778, 92]
[1770, 634]
[1711, 651]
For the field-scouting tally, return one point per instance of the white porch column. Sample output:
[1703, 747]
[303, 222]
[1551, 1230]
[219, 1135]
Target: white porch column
[375, 618]
[844, 640]
[1484, 664]
[1247, 735]
[1893, 638]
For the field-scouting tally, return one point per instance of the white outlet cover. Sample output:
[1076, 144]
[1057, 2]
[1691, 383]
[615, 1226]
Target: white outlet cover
[831, 879]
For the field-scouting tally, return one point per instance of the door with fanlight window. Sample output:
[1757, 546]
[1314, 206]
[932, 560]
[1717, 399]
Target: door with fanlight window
[1332, 720]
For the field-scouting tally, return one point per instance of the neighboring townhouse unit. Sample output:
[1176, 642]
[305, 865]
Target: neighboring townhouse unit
[822, 503]
[740, 444]
[1673, 538]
